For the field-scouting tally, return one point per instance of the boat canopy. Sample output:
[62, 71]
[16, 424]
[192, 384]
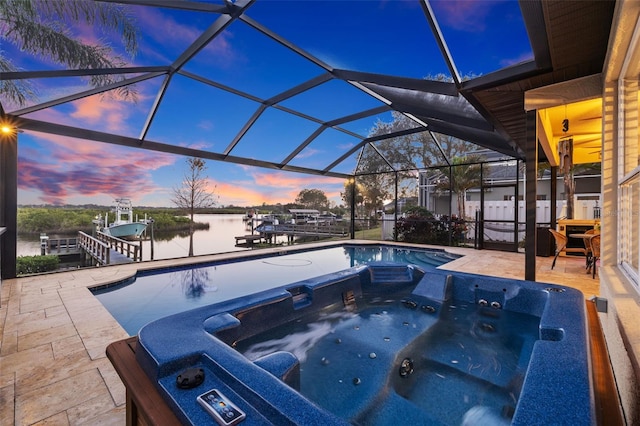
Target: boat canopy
[304, 212]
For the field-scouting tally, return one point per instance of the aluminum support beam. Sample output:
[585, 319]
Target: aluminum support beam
[8, 204]
[531, 156]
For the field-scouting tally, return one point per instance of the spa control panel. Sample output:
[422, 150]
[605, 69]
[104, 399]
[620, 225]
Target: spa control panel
[222, 410]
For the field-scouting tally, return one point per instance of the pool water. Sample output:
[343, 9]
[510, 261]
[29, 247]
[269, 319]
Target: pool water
[459, 364]
[155, 294]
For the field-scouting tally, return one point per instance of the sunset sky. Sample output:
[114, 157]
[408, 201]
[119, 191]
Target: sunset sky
[385, 37]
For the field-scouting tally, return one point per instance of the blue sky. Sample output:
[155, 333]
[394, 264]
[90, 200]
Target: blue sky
[386, 37]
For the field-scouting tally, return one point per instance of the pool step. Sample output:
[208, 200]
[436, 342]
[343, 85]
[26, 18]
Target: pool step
[391, 274]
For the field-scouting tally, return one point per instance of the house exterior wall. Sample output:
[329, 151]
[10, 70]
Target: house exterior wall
[620, 220]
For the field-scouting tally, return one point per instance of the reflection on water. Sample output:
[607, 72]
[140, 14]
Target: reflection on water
[219, 238]
[195, 282]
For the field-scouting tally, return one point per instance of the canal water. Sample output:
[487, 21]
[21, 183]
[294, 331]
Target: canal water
[219, 238]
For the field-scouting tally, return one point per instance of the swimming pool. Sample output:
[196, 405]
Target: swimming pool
[379, 344]
[154, 294]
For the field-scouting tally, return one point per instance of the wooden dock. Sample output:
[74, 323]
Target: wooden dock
[268, 232]
[314, 229]
[108, 250]
[251, 239]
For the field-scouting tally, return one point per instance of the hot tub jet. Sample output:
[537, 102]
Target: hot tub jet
[406, 367]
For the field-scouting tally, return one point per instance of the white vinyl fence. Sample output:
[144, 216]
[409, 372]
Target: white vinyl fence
[505, 211]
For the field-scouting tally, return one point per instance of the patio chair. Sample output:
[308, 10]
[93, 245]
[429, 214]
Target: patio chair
[595, 253]
[587, 246]
[561, 246]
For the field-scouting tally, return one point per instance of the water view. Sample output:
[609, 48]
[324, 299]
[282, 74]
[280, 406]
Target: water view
[219, 238]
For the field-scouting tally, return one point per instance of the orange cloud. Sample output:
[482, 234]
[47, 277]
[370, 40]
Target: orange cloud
[238, 195]
[275, 187]
[292, 180]
[100, 110]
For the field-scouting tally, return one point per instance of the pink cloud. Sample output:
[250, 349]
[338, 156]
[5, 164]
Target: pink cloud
[96, 112]
[58, 182]
[89, 168]
[108, 114]
[83, 167]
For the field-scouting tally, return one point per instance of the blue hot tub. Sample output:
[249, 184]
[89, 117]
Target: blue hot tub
[378, 344]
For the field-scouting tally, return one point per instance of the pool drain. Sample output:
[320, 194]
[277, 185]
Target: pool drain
[406, 367]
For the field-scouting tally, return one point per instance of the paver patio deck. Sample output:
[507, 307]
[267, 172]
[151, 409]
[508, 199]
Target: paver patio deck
[53, 368]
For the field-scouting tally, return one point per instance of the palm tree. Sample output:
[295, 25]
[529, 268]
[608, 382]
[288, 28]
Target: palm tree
[465, 174]
[43, 29]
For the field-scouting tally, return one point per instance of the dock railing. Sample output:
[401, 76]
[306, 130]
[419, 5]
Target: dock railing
[127, 248]
[307, 229]
[59, 245]
[95, 248]
[100, 248]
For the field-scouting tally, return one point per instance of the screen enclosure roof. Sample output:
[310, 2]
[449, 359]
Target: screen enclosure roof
[301, 85]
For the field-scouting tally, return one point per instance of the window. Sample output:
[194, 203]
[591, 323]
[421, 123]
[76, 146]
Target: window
[628, 124]
[629, 187]
[629, 224]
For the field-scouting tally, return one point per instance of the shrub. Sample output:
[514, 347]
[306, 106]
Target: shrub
[421, 226]
[36, 264]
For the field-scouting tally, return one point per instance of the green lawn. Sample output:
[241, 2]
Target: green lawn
[369, 234]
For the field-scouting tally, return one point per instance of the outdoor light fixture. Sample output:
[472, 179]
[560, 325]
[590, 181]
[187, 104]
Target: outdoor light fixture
[8, 127]
[7, 130]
